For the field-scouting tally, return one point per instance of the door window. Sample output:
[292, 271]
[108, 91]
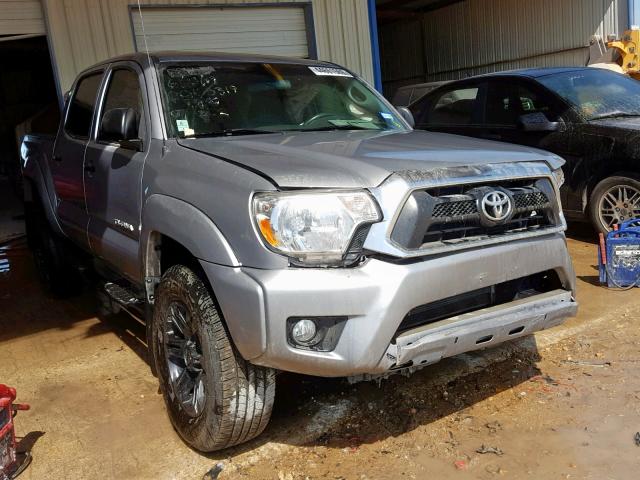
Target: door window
[507, 102]
[123, 92]
[83, 102]
[530, 101]
[454, 107]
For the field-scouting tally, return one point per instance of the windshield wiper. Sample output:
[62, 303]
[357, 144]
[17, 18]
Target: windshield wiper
[230, 132]
[615, 115]
[334, 127]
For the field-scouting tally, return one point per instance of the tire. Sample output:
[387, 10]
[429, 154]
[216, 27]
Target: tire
[614, 200]
[214, 397]
[51, 254]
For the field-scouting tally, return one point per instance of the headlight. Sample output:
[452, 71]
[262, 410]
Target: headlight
[315, 228]
[559, 176]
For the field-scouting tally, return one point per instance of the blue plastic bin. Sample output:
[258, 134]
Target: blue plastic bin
[623, 256]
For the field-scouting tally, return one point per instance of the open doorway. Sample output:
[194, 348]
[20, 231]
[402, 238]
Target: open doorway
[28, 102]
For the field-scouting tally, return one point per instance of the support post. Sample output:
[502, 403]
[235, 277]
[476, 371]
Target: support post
[634, 13]
[375, 48]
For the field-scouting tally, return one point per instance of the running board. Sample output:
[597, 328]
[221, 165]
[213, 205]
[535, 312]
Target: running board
[121, 295]
[126, 300]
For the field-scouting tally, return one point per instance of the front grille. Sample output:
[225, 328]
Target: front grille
[452, 215]
[458, 208]
[482, 298]
[455, 208]
[531, 200]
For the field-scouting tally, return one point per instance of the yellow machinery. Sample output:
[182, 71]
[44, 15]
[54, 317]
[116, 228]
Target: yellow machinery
[620, 55]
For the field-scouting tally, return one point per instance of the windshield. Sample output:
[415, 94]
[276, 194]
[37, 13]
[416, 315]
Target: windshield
[597, 93]
[222, 98]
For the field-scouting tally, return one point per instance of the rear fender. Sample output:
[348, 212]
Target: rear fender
[35, 190]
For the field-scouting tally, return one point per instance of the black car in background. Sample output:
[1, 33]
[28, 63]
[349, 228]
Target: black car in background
[588, 116]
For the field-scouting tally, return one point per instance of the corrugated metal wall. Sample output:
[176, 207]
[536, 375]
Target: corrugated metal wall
[83, 32]
[21, 17]
[479, 36]
[272, 30]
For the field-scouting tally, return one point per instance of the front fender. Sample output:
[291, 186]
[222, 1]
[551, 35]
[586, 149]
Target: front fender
[188, 226]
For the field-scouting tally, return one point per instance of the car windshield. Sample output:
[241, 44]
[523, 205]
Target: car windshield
[597, 93]
[223, 98]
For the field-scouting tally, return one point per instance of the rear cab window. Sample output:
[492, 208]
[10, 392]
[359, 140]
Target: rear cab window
[82, 106]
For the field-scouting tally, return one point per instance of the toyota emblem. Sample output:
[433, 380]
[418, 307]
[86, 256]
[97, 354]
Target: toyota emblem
[496, 206]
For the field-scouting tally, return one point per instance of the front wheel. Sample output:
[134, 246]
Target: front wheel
[613, 201]
[215, 398]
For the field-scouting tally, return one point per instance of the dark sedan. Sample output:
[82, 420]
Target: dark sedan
[588, 116]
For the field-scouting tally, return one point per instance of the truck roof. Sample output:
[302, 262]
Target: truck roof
[178, 56]
[535, 72]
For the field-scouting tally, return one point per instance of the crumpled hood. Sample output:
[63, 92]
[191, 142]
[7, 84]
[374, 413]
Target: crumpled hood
[339, 159]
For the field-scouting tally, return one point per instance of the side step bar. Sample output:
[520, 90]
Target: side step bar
[125, 299]
[121, 295]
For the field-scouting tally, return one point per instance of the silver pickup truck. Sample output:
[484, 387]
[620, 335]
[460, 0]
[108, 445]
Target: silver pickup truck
[264, 213]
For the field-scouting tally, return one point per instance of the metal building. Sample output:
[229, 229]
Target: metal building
[430, 40]
[45, 43]
[398, 41]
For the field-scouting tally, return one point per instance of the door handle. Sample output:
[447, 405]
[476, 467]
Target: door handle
[90, 168]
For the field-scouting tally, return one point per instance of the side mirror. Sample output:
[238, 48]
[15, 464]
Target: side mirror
[538, 122]
[407, 115]
[119, 125]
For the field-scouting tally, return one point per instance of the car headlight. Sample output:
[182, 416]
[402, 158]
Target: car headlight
[559, 176]
[314, 228]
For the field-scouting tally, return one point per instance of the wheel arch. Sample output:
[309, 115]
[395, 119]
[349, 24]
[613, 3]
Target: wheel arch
[167, 217]
[35, 192]
[590, 185]
[175, 232]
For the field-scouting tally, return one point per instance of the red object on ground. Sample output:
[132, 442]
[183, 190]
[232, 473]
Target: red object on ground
[603, 249]
[460, 464]
[8, 409]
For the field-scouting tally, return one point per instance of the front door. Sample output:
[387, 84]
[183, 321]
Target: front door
[67, 162]
[506, 101]
[113, 175]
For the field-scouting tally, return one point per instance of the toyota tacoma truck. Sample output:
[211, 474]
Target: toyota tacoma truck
[263, 213]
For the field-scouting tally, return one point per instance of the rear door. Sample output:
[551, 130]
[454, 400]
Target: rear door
[113, 174]
[455, 109]
[68, 157]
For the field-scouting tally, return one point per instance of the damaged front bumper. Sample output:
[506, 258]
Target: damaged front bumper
[376, 297]
[471, 331]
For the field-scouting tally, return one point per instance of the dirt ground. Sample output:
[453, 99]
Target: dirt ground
[562, 404]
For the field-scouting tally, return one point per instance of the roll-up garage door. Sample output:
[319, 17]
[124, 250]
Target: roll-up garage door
[21, 17]
[280, 30]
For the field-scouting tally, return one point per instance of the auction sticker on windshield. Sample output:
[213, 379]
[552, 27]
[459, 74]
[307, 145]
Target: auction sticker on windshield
[330, 72]
[182, 125]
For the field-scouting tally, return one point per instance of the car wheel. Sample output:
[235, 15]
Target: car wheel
[54, 265]
[214, 397]
[613, 201]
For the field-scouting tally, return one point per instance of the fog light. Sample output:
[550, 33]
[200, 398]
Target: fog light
[304, 331]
